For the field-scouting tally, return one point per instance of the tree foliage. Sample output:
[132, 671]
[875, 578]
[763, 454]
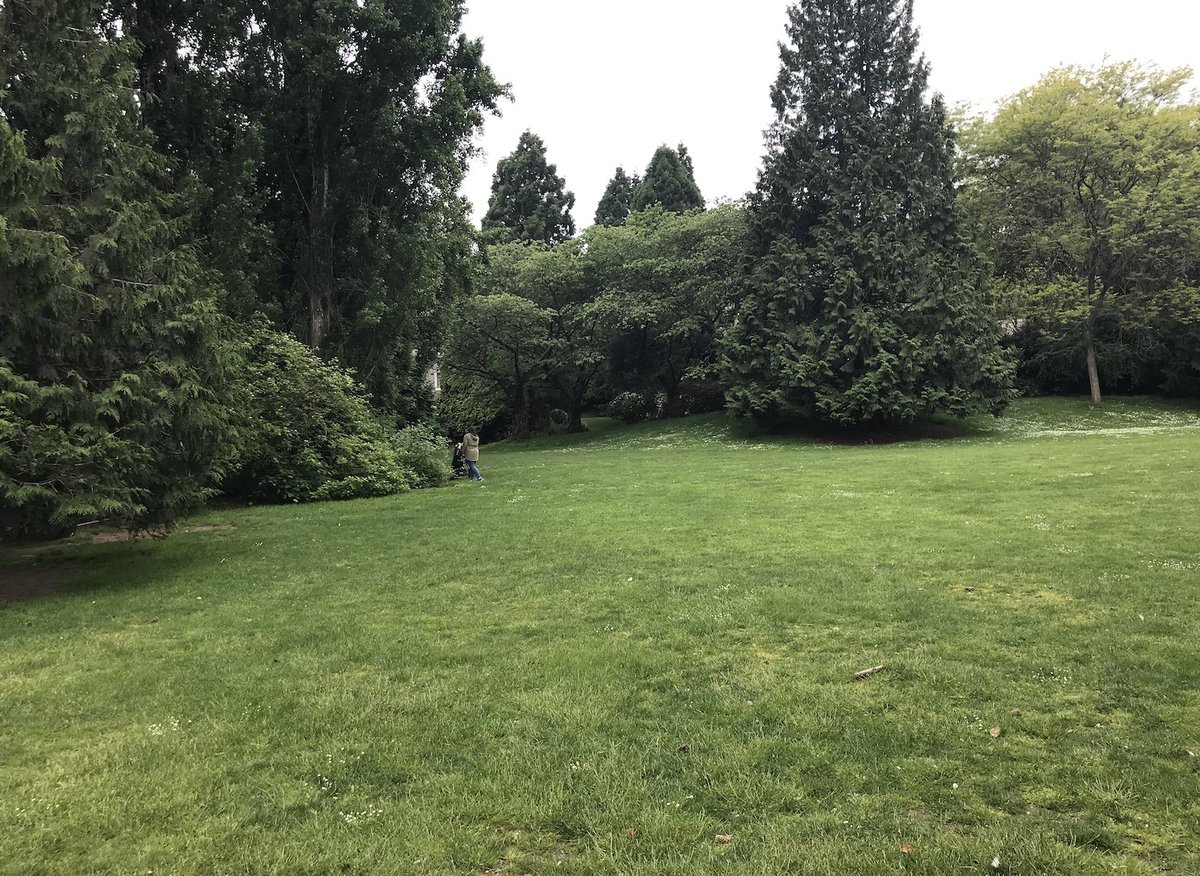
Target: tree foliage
[164, 161]
[573, 357]
[308, 433]
[617, 203]
[632, 310]
[529, 199]
[867, 301]
[1085, 189]
[670, 183]
[323, 143]
[501, 342]
[668, 286]
[113, 399]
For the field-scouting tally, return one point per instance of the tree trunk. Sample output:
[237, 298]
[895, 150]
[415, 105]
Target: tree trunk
[1093, 372]
[520, 430]
[1089, 341]
[575, 417]
[539, 416]
[318, 273]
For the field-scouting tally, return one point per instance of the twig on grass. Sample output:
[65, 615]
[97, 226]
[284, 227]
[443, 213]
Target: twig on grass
[867, 673]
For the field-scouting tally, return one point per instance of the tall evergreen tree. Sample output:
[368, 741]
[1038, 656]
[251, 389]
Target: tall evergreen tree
[111, 364]
[207, 106]
[529, 200]
[868, 303]
[324, 142]
[617, 203]
[685, 158]
[670, 182]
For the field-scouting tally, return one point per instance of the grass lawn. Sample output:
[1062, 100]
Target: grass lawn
[626, 643]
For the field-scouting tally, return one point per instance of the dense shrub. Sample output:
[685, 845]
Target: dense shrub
[307, 431]
[700, 396]
[1145, 344]
[424, 455]
[631, 407]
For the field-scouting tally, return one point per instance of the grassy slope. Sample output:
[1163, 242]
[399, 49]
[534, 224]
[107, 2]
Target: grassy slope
[500, 677]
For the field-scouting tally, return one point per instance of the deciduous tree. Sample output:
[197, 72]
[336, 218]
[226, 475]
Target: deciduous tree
[1085, 188]
[501, 340]
[668, 285]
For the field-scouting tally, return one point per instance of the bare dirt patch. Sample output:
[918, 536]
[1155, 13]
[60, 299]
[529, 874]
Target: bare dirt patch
[30, 582]
[110, 537]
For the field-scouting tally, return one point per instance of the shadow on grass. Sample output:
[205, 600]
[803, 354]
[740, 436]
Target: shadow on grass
[80, 567]
[601, 430]
[23, 583]
[858, 436]
[816, 432]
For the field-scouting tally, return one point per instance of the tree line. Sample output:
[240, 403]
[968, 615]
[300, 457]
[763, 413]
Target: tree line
[232, 246]
[889, 263]
[212, 214]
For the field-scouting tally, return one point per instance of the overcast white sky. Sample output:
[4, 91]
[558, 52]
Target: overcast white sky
[606, 83]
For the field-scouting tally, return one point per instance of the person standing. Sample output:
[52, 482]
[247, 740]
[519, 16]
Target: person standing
[471, 451]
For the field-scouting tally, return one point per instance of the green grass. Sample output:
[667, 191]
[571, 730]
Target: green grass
[501, 678]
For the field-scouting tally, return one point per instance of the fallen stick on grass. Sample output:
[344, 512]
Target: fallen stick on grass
[867, 673]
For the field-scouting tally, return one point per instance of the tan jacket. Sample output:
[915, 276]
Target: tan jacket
[471, 447]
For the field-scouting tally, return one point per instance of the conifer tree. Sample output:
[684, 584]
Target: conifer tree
[529, 200]
[617, 203]
[323, 143]
[111, 370]
[670, 182]
[868, 303]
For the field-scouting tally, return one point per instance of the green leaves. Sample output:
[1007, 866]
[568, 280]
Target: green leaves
[111, 354]
[633, 309]
[1084, 188]
[308, 433]
[617, 203]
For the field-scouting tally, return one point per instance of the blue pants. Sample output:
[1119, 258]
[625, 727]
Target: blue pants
[474, 471]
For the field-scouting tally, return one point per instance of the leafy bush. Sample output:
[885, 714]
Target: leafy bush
[1145, 343]
[700, 396]
[424, 455]
[307, 432]
[631, 407]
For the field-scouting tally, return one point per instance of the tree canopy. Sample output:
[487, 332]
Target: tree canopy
[170, 170]
[529, 199]
[322, 146]
[1085, 188]
[617, 202]
[670, 183]
[113, 398]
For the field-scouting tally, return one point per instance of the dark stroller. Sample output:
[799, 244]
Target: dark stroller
[459, 462]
